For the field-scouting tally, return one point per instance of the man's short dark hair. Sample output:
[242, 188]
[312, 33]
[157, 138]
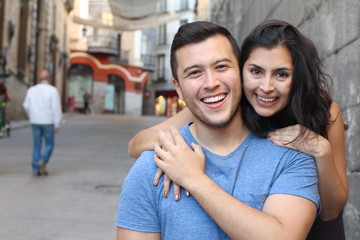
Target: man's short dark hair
[196, 32]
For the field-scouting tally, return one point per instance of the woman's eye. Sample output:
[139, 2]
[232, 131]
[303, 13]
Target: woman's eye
[255, 71]
[282, 74]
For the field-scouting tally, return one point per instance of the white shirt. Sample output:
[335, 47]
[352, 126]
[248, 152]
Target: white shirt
[42, 104]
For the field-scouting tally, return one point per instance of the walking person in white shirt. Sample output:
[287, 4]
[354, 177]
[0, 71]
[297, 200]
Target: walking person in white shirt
[43, 107]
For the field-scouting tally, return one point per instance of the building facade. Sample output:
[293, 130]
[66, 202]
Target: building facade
[33, 36]
[105, 62]
[143, 35]
[161, 98]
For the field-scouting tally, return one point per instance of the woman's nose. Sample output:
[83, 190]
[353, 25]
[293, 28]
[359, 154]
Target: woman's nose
[266, 84]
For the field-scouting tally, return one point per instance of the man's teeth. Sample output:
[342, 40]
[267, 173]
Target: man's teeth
[266, 99]
[214, 99]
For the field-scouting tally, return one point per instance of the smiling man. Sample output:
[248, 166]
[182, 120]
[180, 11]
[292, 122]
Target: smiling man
[242, 186]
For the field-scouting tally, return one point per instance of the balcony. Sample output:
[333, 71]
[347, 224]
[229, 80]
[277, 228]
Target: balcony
[149, 62]
[183, 5]
[165, 40]
[103, 44]
[123, 59]
[161, 76]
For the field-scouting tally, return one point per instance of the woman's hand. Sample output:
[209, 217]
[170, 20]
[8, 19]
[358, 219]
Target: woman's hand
[179, 162]
[167, 183]
[167, 180]
[309, 143]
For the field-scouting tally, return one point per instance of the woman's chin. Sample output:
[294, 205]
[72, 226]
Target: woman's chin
[265, 112]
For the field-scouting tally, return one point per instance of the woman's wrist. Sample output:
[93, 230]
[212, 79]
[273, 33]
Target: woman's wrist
[323, 149]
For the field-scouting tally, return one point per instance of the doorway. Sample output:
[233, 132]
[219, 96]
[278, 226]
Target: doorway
[80, 79]
[115, 94]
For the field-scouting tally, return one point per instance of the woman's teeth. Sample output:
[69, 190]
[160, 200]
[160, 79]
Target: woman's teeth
[266, 99]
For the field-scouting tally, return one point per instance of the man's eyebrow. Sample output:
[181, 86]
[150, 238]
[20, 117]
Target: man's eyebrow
[223, 60]
[190, 67]
[216, 62]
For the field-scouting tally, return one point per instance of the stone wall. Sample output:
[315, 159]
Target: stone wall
[334, 26]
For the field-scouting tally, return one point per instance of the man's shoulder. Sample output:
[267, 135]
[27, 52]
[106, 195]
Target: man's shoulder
[146, 158]
[144, 165]
[43, 85]
[185, 131]
[147, 154]
[256, 141]
[263, 145]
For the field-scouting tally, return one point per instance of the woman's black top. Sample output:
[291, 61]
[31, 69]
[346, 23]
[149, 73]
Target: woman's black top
[329, 230]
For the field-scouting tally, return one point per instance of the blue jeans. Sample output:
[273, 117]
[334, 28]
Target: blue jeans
[40, 132]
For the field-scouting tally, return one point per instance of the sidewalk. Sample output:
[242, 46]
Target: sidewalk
[19, 124]
[15, 125]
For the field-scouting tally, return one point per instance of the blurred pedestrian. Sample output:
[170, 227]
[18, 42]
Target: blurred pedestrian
[86, 99]
[42, 104]
[4, 98]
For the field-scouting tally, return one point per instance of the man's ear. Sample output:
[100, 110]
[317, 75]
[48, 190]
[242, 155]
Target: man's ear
[178, 88]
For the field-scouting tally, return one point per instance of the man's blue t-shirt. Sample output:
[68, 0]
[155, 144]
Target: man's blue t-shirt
[255, 170]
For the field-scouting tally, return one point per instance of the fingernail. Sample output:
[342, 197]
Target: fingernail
[155, 182]
[187, 193]
[166, 194]
[177, 197]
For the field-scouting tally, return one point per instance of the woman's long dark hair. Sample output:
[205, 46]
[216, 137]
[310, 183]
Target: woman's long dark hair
[310, 101]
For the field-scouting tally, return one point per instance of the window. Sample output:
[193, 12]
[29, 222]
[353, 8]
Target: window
[184, 5]
[22, 37]
[162, 35]
[54, 20]
[2, 7]
[96, 34]
[161, 67]
[163, 6]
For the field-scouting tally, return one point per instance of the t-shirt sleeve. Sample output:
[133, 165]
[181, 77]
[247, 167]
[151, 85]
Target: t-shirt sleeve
[298, 177]
[137, 204]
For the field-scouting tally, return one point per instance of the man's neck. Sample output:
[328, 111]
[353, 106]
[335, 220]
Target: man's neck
[220, 141]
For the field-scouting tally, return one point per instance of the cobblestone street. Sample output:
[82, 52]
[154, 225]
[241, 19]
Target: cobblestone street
[78, 200]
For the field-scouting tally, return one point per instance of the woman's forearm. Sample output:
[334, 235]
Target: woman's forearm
[331, 164]
[142, 141]
[145, 139]
[332, 191]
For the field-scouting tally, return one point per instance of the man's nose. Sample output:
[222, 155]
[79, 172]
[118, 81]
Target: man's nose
[212, 80]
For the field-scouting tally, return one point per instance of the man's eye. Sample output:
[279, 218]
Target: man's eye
[194, 73]
[221, 67]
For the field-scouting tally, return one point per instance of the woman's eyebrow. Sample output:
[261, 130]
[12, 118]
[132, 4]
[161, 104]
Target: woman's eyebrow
[257, 66]
[275, 70]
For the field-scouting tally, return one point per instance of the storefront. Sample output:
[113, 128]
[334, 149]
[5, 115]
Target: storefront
[114, 88]
[167, 103]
